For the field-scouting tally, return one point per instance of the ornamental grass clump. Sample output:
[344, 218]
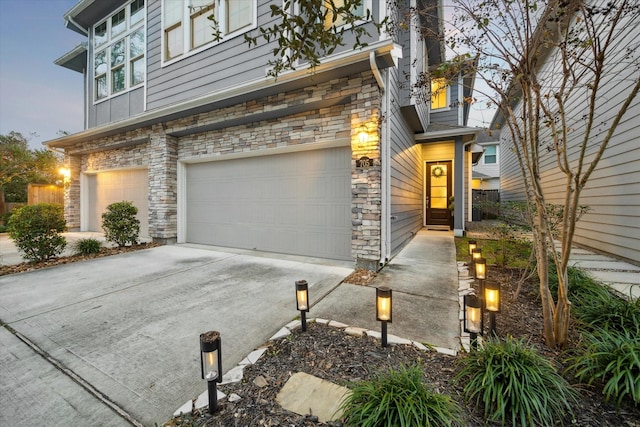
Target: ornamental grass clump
[120, 224]
[611, 358]
[610, 313]
[88, 246]
[514, 385]
[398, 398]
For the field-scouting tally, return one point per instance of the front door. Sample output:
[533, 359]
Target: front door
[438, 193]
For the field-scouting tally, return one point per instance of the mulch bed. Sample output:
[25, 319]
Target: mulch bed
[330, 354]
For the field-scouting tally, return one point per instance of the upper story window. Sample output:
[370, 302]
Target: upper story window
[439, 93]
[189, 25]
[119, 46]
[490, 155]
[357, 11]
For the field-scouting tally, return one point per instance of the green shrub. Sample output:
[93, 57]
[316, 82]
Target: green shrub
[36, 229]
[609, 313]
[120, 224]
[582, 287]
[512, 384]
[612, 358]
[398, 398]
[87, 246]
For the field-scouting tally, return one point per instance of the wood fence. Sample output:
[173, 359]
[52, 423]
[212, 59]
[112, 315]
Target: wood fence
[45, 193]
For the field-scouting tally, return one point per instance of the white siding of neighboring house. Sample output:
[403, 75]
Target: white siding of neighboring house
[613, 191]
[490, 170]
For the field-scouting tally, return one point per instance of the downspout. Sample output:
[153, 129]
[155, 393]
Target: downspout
[376, 71]
[466, 196]
[384, 165]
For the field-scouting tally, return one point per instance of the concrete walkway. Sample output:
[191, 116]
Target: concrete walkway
[424, 281]
[620, 276]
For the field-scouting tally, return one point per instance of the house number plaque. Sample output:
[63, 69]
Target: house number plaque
[364, 162]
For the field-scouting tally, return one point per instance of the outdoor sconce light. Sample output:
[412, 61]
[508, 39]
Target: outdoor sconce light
[211, 364]
[492, 303]
[383, 310]
[363, 134]
[472, 318]
[480, 268]
[66, 176]
[302, 301]
[472, 245]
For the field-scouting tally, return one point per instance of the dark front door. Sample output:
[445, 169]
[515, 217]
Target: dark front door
[438, 193]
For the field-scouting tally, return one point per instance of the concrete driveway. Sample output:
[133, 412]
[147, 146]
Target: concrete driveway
[129, 325]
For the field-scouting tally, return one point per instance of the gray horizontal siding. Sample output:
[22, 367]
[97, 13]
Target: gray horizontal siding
[220, 66]
[406, 176]
[613, 191]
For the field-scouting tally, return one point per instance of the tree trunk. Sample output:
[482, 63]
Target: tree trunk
[548, 311]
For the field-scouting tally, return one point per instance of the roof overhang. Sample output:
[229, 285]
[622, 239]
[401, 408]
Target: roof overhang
[336, 66]
[85, 13]
[440, 132]
[75, 60]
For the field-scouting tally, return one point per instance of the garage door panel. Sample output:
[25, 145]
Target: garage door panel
[105, 188]
[296, 203]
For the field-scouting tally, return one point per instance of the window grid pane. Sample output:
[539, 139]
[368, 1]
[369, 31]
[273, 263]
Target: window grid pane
[117, 80]
[100, 34]
[174, 41]
[118, 23]
[137, 71]
[438, 93]
[137, 8]
[201, 28]
[239, 14]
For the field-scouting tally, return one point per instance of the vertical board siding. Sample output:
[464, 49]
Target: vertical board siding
[613, 191]
[406, 174]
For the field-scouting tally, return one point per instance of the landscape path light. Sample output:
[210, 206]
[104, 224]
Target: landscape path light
[384, 302]
[472, 244]
[472, 318]
[492, 303]
[476, 254]
[211, 364]
[302, 301]
[480, 268]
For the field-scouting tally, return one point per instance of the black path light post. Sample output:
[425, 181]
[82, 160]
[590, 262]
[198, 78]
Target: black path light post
[383, 310]
[211, 364]
[480, 273]
[492, 304]
[472, 318]
[302, 301]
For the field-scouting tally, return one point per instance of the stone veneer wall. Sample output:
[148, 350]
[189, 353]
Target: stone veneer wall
[162, 152]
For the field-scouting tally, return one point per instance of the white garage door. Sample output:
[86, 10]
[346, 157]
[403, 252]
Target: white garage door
[109, 187]
[295, 203]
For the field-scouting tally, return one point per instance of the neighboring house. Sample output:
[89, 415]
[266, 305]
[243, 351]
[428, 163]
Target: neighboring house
[343, 164]
[612, 193]
[486, 172]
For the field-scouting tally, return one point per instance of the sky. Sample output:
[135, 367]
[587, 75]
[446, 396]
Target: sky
[40, 99]
[37, 97]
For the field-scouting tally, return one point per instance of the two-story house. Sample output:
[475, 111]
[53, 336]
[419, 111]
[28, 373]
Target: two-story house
[342, 163]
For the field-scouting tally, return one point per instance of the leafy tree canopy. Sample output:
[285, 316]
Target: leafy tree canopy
[20, 166]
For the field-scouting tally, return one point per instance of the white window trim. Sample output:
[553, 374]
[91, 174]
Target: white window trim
[106, 47]
[220, 6]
